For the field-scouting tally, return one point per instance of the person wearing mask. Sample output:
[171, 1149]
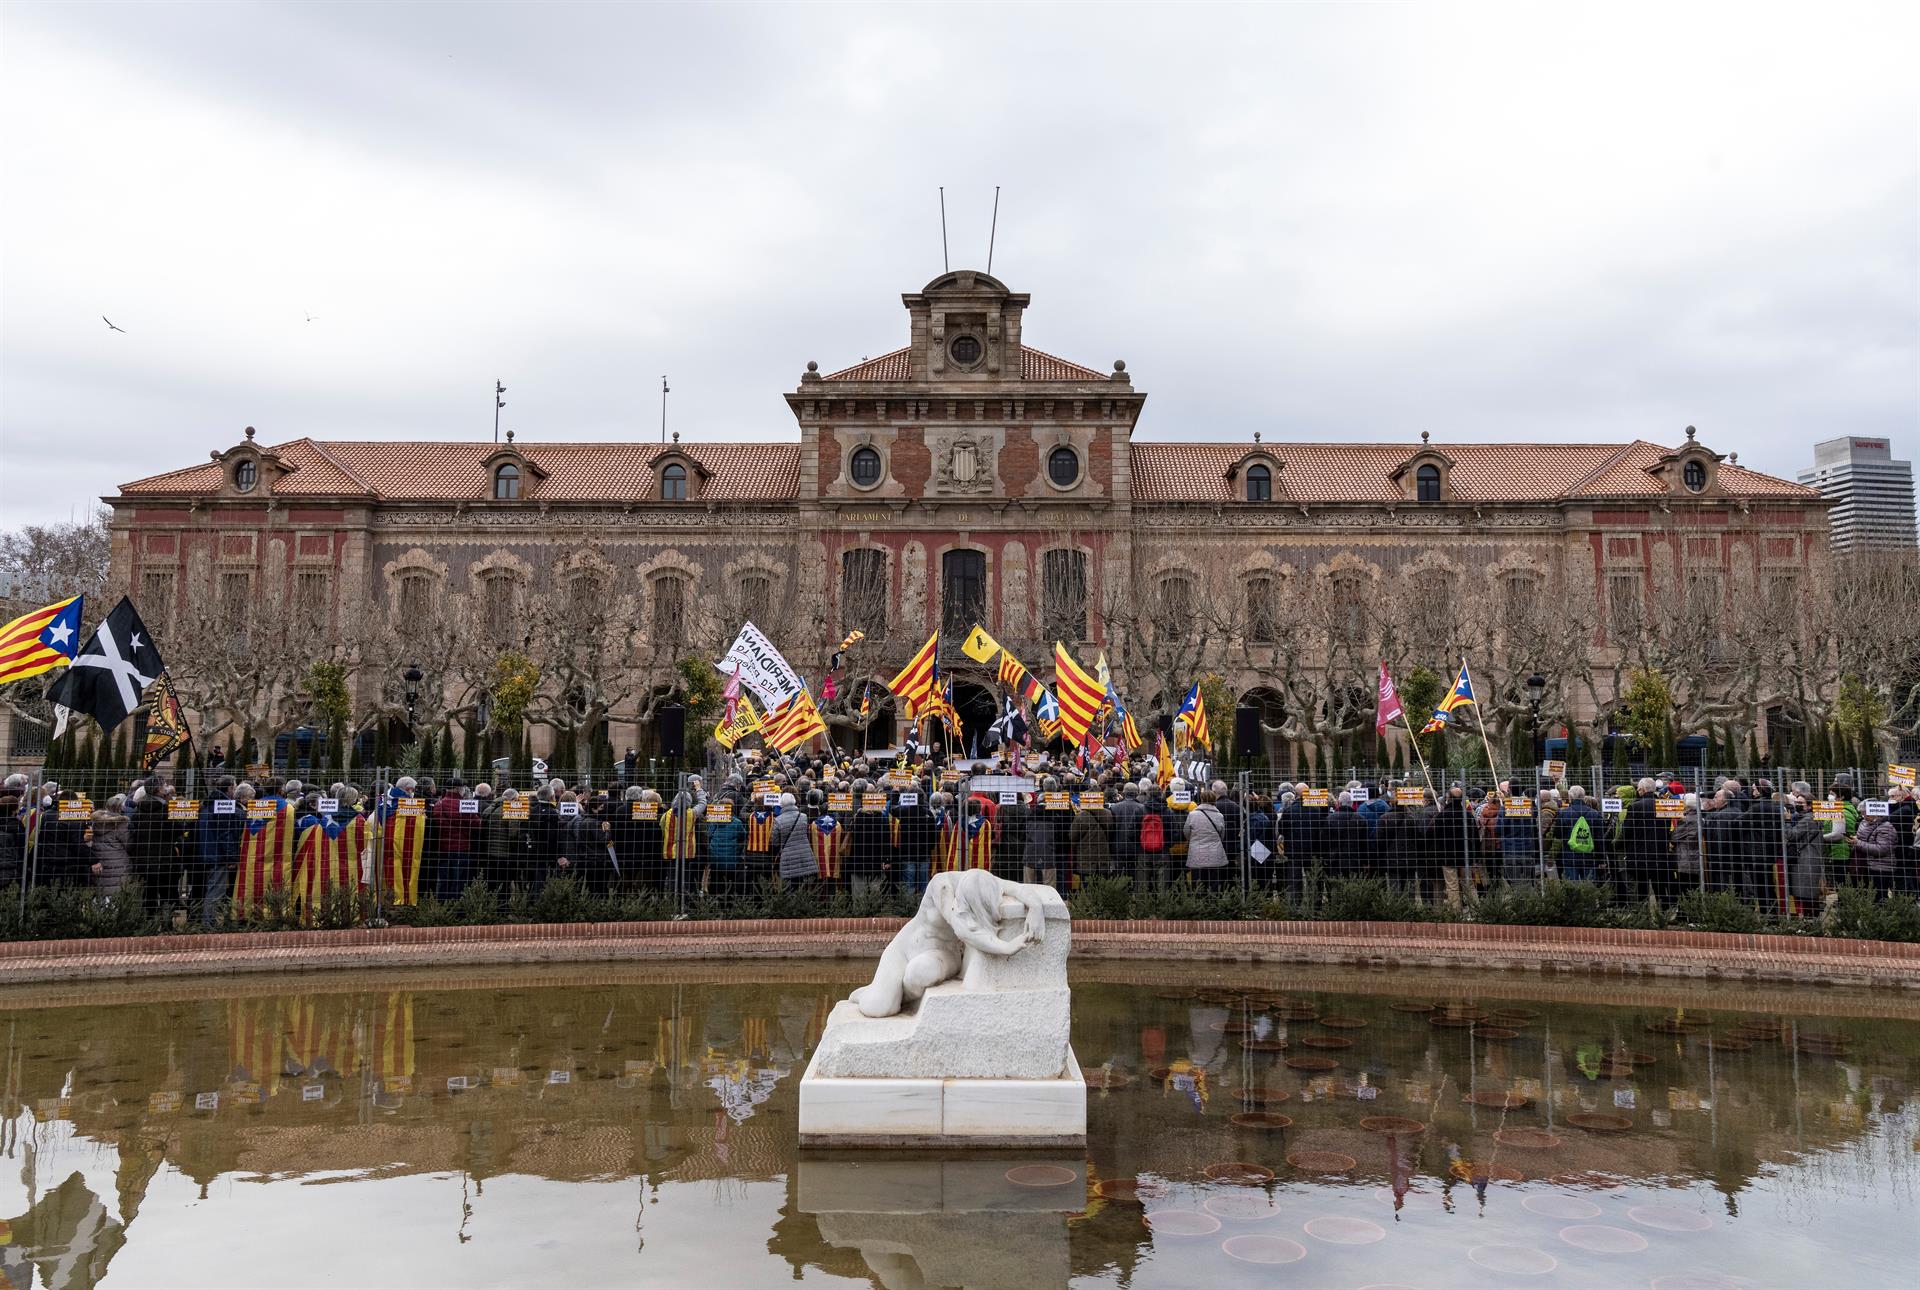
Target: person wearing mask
[1206, 829]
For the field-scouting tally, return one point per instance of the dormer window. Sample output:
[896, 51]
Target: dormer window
[245, 476]
[865, 466]
[1694, 476]
[673, 483]
[1426, 484]
[506, 483]
[1259, 484]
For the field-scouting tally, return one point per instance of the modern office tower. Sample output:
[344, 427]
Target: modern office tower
[1872, 493]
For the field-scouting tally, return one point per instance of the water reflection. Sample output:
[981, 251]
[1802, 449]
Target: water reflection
[526, 1129]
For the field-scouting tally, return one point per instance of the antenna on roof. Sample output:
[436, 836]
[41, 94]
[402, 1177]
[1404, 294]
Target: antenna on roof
[995, 228]
[663, 410]
[944, 266]
[498, 403]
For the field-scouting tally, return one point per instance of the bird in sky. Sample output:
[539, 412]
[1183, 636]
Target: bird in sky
[109, 322]
[311, 317]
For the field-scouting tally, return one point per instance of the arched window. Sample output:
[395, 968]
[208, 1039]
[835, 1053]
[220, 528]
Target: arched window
[863, 591]
[670, 608]
[963, 598]
[1694, 476]
[865, 467]
[1063, 595]
[245, 476]
[1261, 627]
[1259, 484]
[499, 601]
[1063, 467]
[673, 483]
[506, 483]
[1427, 484]
[1173, 614]
[756, 597]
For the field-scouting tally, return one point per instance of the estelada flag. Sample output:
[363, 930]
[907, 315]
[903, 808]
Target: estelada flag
[38, 642]
[979, 646]
[166, 723]
[1079, 694]
[1458, 697]
[1389, 710]
[916, 678]
[1193, 715]
[793, 723]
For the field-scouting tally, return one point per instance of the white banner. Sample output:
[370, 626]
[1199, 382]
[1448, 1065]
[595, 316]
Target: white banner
[762, 668]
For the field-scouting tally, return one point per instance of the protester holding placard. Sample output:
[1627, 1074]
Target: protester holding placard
[1875, 845]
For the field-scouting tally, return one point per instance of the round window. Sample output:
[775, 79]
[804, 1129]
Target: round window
[245, 476]
[865, 467]
[1063, 467]
[965, 350]
[1695, 475]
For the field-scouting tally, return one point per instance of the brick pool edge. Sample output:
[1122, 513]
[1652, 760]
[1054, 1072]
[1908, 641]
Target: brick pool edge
[1544, 950]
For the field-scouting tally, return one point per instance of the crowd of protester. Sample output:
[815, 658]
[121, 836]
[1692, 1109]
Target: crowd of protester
[845, 821]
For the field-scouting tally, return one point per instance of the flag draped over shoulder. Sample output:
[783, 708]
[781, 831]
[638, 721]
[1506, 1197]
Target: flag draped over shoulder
[1458, 697]
[1193, 715]
[793, 723]
[166, 723]
[1389, 710]
[915, 680]
[1079, 694]
[40, 641]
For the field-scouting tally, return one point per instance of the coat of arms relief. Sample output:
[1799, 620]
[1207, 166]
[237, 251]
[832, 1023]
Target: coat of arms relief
[966, 466]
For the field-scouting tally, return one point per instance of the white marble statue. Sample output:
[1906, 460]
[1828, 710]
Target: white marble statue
[959, 911]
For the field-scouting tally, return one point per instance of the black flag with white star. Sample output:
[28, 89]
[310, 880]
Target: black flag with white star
[110, 672]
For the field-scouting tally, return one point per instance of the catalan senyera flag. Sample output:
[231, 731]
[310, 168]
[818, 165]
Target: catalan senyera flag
[266, 855]
[979, 646]
[1129, 731]
[1163, 760]
[1012, 674]
[1079, 694]
[793, 723]
[1193, 715]
[1460, 696]
[38, 642]
[916, 678]
[326, 859]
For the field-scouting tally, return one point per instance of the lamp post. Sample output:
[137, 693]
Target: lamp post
[1536, 690]
[412, 677]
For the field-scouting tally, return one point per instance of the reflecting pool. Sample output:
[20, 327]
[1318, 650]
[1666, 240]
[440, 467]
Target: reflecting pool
[634, 1125]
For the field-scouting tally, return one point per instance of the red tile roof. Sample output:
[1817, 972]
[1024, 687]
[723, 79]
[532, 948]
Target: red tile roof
[1035, 365]
[414, 470]
[1482, 472]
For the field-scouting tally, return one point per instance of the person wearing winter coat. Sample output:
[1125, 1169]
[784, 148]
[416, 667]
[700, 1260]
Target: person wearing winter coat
[869, 844]
[1343, 839]
[1519, 838]
[1206, 830]
[792, 848]
[1806, 850]
[1874, 847]
[112, 859]
[1686, 847]
[1011, 824]
[1046, 841]
[1645, 844]
[13, 835]
[217, 845]
[1906, 874]
[726, 847]
[1090, 834]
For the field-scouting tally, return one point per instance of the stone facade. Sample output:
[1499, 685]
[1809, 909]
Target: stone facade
[966, 459]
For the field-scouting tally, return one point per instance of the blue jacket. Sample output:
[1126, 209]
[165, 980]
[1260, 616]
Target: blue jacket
[216, 838]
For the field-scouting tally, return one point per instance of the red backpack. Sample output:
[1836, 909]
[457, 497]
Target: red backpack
[1153, 834]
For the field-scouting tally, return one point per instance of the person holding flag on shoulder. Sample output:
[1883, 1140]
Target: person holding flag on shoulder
[327, 855]
[266, 849]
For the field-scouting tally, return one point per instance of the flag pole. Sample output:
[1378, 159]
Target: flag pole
[1492, 767]
[1415, 740]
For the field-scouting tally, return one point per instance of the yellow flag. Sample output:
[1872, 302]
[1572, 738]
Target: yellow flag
[979, 646]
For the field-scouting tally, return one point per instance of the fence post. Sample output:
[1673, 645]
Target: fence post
[1245, 784]
[379, 843]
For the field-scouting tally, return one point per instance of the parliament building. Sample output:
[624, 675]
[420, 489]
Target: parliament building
[969, 476]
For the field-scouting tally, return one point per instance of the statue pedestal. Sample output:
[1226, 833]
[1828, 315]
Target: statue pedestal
[982, 1061]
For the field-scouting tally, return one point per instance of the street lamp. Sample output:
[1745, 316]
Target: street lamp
[412, 677]
[1536, 690]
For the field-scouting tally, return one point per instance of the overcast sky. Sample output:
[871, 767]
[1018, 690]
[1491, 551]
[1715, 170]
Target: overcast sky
[1340, 222]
